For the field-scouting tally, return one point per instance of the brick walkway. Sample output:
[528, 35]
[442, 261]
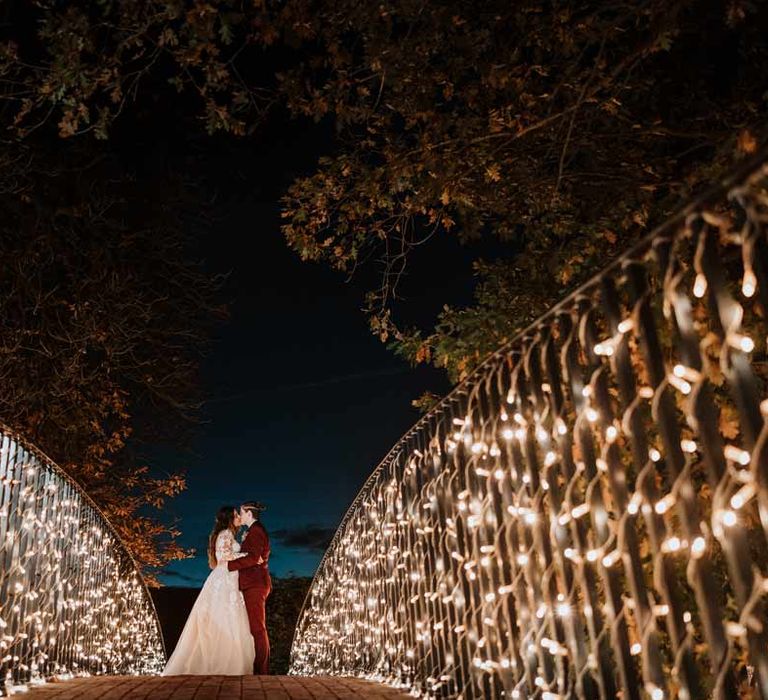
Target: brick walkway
[213, 688]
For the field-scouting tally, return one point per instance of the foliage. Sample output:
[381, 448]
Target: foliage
[83, 64]
[103, 320]
[564, 130]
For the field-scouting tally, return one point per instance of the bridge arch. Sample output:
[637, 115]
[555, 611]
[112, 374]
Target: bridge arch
[574, 520]
[72, 598]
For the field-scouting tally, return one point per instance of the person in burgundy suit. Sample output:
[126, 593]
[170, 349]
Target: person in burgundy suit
[254, 580]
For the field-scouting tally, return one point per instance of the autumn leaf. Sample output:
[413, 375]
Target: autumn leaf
[746, 143]
[729, 422]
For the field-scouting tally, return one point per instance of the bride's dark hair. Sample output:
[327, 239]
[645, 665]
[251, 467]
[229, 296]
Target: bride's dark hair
[225, 520]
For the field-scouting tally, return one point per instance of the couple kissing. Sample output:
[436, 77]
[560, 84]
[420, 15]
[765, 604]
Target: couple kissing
[226, 633]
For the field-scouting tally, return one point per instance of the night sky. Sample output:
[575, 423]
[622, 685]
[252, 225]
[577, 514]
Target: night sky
[302, 400]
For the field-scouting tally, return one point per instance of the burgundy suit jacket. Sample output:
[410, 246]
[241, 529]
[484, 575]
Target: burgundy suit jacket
[256, 546]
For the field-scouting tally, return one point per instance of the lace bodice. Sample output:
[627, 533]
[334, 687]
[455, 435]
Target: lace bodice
[227, 548]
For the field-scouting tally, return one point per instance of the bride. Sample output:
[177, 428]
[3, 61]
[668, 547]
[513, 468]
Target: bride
[216, 639]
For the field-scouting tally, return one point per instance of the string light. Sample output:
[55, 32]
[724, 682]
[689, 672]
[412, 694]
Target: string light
[526, 496]
[75, 603]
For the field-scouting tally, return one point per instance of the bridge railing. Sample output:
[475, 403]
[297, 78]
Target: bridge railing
[72, 600]
[586, 515]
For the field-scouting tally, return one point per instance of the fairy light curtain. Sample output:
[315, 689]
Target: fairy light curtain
[72, 600]
[587, 515]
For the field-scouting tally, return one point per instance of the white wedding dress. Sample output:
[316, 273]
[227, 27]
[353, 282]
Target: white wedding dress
[217, 639]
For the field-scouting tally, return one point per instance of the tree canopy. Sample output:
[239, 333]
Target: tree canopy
[104, 318]
[562, 129]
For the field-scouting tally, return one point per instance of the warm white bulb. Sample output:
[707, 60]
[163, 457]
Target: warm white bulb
[749, 283]
[746, 344]
[699, 290]
[698, 546]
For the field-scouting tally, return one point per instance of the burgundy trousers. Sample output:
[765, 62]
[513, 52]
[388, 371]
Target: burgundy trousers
[255, 603]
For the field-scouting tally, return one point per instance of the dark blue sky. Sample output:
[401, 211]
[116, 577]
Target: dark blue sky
[302, 400]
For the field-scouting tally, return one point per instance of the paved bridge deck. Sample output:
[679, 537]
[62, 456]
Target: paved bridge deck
[213, 688]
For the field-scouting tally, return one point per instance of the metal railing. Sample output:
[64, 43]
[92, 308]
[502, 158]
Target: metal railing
[586, 516]
[72, 600]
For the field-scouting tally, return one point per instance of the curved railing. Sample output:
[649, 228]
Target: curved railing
[72, 600]
[587, 515]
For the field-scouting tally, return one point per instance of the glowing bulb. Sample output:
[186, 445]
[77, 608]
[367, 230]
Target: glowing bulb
[663, 505]
[699, 290]
[729, 518]
[749, 283]
[742, 496]
[680, 384]
[605, 349]
[673, 544]
[734, 454]
[742, 342]
[698, 546]
[688, 446]
[580, 510]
